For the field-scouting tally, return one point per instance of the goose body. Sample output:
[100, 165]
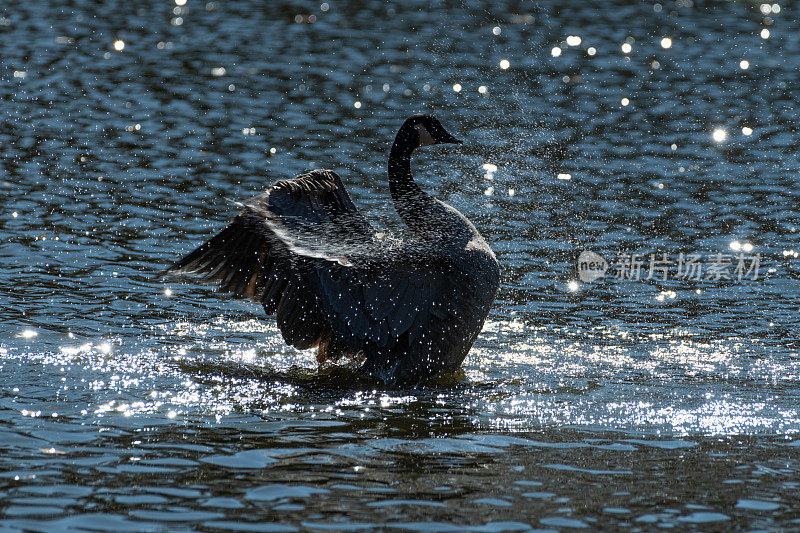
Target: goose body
[410, 310]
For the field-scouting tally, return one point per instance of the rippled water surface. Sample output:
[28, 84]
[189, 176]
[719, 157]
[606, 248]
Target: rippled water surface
[128, 403]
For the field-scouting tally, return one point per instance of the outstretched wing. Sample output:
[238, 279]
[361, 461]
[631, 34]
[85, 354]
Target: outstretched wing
[306, 216]
[304, 250]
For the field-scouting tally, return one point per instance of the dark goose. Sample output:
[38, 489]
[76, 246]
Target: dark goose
[409, 309]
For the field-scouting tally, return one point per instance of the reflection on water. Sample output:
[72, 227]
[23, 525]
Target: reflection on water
[129, 404]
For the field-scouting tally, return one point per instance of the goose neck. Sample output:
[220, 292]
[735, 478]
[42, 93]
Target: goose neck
[401, 182]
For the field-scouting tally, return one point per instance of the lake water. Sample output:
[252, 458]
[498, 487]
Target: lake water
[631, 130]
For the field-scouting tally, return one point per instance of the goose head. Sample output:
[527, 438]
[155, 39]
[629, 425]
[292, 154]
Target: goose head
[425, 130]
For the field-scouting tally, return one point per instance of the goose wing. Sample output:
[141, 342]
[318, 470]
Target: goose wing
[309, 216]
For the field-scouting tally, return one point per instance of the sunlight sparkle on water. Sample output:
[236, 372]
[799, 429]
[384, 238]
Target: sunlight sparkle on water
[719, 135]
[564, 176]
[747, 131]
[497, 30]
[765, 33]
[624, 101]
[457, 87]
[744, 64]
[573, 286]
[573, 40]
[737, 246]
[666, 42]
[766, 9]
[504, 64]
[626, 48]
[119, 45]
[591, 50]
[482, 89]
[663, 295]
[555, 52]
[28, 334]
[490, 170]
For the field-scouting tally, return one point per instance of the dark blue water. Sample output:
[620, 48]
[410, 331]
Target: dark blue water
[129, 403]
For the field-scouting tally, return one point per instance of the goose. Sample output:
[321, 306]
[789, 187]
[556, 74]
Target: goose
[406, 311]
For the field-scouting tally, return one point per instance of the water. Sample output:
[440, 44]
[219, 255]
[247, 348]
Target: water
[133, 404]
